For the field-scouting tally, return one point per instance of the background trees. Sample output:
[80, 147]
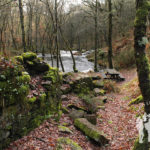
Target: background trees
[77, 23]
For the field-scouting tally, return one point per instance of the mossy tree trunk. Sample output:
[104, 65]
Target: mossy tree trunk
[143, 70]
[110, 35]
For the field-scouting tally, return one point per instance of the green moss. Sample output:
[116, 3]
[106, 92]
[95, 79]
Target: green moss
[19, 59]
[137, 100]
[29, 56]
[36, 121]
[64, 129]
[23, 90]
[92, 134]
[140, 146]
[25, 78]
[102, 92]
[32, 99]
[90, 130]
[98, 83]
[42, 97]
[30, 63]
[52, 75]
[142, 13]
[61, 142]
[65, 110]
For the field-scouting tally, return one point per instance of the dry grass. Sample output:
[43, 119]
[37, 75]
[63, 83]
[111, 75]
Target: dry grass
[132, 87]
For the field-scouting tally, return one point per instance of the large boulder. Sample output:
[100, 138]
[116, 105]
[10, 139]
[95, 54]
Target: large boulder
[31, 62]
[91, 131]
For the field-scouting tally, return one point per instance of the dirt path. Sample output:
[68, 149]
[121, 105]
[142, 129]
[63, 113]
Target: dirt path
[118, 121]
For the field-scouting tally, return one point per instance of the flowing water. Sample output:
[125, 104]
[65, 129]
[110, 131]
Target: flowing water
[82, 64]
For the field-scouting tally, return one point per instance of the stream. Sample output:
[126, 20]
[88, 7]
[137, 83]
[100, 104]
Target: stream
[82, 63]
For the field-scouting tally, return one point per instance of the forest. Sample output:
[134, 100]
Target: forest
[74, 75]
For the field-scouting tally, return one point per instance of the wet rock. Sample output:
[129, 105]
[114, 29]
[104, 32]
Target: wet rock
[90, 130]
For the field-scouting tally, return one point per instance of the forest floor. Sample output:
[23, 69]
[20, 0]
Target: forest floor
[117, 121]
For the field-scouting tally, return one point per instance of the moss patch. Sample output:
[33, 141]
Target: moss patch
[62, 142]
[137, 100]
[90, 130]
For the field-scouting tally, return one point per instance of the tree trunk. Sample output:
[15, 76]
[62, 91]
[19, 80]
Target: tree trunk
[22, 25]
[110, 36]
[96, 36]
[73, 59]
[56, 34]
[143, 69]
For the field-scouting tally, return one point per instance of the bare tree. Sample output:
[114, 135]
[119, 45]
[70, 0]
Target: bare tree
[22, 24]
[110, 35]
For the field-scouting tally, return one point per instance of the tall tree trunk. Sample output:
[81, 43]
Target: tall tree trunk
[68, 47]
[36, 28]
[110, 35]
[30, 26]
[22, 25]
[96, 36]
[143, 69]
[56, 32]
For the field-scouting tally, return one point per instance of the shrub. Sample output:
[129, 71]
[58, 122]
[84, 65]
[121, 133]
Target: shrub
[124, 59]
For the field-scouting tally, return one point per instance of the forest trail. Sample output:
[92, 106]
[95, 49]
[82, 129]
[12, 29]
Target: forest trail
[118, 118]
[117, 121]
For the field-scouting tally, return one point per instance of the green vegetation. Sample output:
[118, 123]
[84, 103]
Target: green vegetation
[19, 112]
[137, 100]
[62, 142]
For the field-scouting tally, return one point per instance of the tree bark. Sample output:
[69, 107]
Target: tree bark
[110, 35]
[96, 36]
[56, 32]
[143, 70]
[22, 25]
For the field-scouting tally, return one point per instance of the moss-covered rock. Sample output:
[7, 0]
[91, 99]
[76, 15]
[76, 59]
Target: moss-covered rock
[52, 75]
[21, 112]
[29, 56]
[32, 99]
[63, 142]
[98, 83]
[74, 114]
[99, 92]
[137, 100]
[64, 129]
[19, 59]
[90, 130]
